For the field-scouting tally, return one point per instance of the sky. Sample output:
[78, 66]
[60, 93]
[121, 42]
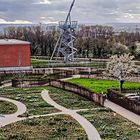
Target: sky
[84, 11]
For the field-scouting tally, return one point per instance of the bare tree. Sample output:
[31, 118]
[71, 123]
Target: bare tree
[92, 41]
[119, 48]
[137, 51]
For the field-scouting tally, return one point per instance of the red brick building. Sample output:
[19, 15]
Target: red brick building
[14, 55]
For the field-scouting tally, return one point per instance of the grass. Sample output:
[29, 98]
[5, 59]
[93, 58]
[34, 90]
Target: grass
[36, 63]
[7, 108]
[61, 127]
[112, 126]
[101, 86]
[36, 105]
[41, 63]
[5, 78]
[31, 98]
[70, 100]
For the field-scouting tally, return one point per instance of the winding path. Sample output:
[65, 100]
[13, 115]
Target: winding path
[88, 127]
[7, 119]
[21, 108]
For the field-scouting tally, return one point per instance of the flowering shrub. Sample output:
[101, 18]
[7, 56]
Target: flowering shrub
[120, 67]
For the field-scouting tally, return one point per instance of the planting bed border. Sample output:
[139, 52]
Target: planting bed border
[120, 99]
[82, 91]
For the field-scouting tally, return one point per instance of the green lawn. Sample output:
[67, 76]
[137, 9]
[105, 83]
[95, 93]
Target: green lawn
[7, 108]
[36, 63]
[101, 86]
[60, 127]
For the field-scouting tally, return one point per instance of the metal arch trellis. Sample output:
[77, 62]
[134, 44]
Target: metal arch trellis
[65, 43]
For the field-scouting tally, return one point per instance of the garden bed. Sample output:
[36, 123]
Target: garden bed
[70, 100]
[31, 97]
[7, 108]
[112, 126]
[79, 90]
[60, 127]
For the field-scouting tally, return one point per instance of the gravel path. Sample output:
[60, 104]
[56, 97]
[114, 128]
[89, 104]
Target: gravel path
[7, 119]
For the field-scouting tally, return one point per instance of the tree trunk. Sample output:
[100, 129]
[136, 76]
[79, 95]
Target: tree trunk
[0, 81]
[121, 85]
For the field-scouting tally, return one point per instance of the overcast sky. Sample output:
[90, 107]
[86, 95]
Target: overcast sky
[84, 11]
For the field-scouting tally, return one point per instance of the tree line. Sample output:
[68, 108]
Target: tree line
[92, 41]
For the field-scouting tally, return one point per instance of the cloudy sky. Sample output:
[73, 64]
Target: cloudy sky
[84, 11]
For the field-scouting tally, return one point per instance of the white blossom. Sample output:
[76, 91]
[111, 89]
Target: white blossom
[121, 66]
[138, 48]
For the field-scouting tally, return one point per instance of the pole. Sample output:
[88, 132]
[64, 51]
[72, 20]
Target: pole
[69, 11]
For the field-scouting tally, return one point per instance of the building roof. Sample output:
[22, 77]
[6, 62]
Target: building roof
[12, 42]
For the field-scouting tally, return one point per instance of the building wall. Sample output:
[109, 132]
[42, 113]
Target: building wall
[15, 55]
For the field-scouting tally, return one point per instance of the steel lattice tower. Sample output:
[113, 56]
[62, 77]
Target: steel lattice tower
[65, 43]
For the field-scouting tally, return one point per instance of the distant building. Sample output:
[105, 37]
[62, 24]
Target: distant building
[14, 55]
[49, 27]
